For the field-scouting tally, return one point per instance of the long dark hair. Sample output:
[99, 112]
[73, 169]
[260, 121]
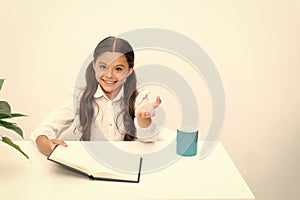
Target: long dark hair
[87, 101]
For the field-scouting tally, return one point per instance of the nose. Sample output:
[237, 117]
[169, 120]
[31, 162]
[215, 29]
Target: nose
[108, 72]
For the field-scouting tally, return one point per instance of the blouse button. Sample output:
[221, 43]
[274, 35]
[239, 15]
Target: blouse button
[110, 124]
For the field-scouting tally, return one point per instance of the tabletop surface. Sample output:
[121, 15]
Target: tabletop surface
[214, 177]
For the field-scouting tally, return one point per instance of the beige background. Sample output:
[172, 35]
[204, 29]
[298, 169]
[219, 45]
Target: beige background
[254, 44]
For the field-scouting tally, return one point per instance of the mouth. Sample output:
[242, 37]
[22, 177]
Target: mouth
[109, 83]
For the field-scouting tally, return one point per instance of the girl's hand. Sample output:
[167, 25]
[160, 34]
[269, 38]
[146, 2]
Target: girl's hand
[148, 110]
[46, 146]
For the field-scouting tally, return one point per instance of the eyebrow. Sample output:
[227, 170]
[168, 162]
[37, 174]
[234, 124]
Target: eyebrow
[100, 62]
[119, 64]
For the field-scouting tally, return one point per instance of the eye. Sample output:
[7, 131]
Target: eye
[119, 69]
[102, 67]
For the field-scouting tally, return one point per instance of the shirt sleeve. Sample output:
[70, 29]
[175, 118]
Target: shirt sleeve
[150, 133]
[56, 122]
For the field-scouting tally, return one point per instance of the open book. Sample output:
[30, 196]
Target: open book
[77, 158]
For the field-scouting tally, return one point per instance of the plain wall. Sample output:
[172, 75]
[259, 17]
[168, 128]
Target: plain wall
[255, 46]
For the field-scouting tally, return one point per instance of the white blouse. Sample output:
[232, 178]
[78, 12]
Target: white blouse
[104, 126]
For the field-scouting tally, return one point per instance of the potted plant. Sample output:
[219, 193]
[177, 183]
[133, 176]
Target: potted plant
[5, 113]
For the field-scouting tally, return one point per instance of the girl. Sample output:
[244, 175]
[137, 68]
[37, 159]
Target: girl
[109, 108]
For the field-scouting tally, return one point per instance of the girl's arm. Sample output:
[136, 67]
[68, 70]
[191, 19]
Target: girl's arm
[145, 113]
[147, 130]
[47, 133]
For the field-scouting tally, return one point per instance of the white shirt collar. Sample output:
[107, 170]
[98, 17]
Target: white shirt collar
[99, 93]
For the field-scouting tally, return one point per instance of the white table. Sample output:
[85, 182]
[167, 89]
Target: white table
[215, 177]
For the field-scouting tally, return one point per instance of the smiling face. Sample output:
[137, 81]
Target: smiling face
[111, 70]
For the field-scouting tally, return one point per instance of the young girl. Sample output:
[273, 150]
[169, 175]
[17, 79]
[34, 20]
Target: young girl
[109, 108]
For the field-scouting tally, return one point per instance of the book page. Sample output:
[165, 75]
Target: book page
[112, 161]
[99, 170]
[72, 165]
[75, 155]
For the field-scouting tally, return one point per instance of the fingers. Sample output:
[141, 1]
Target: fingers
[143, 114]
[46, 146]
[59, 142]
[157, 102]
[148, 110]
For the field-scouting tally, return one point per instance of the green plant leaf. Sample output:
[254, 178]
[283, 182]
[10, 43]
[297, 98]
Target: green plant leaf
[3, 116]
[9, 142]
[5, 112]
[4, 107]
[17, 115]
[1, 83]
[12, 126]
[12, 115]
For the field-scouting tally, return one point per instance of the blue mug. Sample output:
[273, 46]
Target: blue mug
[186, 143]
